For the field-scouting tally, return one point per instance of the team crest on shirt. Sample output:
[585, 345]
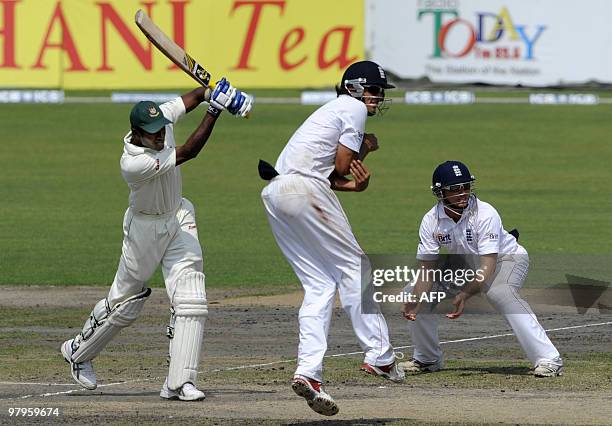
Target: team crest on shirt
[443, 238]
[493, 237]
[153, 112]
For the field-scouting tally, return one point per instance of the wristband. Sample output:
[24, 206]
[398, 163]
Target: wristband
[215, 112]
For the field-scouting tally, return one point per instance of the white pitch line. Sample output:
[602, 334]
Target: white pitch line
[79, 389]
[268, 364]
[34, 383]
[469, 339]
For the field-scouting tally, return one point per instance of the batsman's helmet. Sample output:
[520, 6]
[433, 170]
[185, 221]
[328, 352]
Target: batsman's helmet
[448, 174]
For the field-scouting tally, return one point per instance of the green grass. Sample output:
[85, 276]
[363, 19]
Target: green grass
[546, 169]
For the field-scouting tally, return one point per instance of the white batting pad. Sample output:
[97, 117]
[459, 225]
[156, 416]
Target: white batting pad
[190, 312]
[104, 323]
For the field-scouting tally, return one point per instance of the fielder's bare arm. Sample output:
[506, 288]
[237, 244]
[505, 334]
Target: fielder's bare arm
[159, 228]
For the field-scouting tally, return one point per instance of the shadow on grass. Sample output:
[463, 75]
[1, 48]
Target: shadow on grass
[348, 422]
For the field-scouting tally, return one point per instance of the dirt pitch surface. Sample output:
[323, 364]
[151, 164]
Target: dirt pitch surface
[248, 359]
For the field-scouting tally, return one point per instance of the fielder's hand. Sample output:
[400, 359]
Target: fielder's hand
[410, 311]
[222, 97]
[241, 105]
[371, 142]
[459, 303]
[361, 175]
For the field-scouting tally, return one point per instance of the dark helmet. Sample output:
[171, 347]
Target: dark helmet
[366, 73]
[147, 116]
[450, 173]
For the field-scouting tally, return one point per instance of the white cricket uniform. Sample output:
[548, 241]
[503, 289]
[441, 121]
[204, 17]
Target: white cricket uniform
[315, 236]
[159, 225]
[158, 228]
[480, 232]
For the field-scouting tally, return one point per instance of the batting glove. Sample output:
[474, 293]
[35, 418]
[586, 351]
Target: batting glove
[222, 97]
[241, 105]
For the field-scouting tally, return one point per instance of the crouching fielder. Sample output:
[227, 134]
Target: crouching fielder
[460, 223]
[159, 227]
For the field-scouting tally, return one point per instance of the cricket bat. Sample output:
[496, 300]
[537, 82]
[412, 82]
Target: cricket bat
[173, 51]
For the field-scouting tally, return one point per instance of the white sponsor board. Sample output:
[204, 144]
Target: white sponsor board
[533, 43]
[133, 97]
[563, 99]
[317, 97]
[453, 97]
[43, 96]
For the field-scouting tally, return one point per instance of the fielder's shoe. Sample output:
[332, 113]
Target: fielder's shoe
[187, 392]
[548, 369]
[82, 372]
[316, 398]
[391, 372]
[416, 366]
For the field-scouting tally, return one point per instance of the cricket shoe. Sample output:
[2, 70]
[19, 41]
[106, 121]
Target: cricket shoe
[82, 372]
[416, 366]
[390, 372]
[187, 392]
[548, 369]
[316, 398]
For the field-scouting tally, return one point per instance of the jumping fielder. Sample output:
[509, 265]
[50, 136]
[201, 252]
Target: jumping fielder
[460, 223]
[314, 234]
[159, 227]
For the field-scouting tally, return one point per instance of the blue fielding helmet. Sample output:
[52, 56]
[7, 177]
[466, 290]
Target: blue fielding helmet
[450, 173]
